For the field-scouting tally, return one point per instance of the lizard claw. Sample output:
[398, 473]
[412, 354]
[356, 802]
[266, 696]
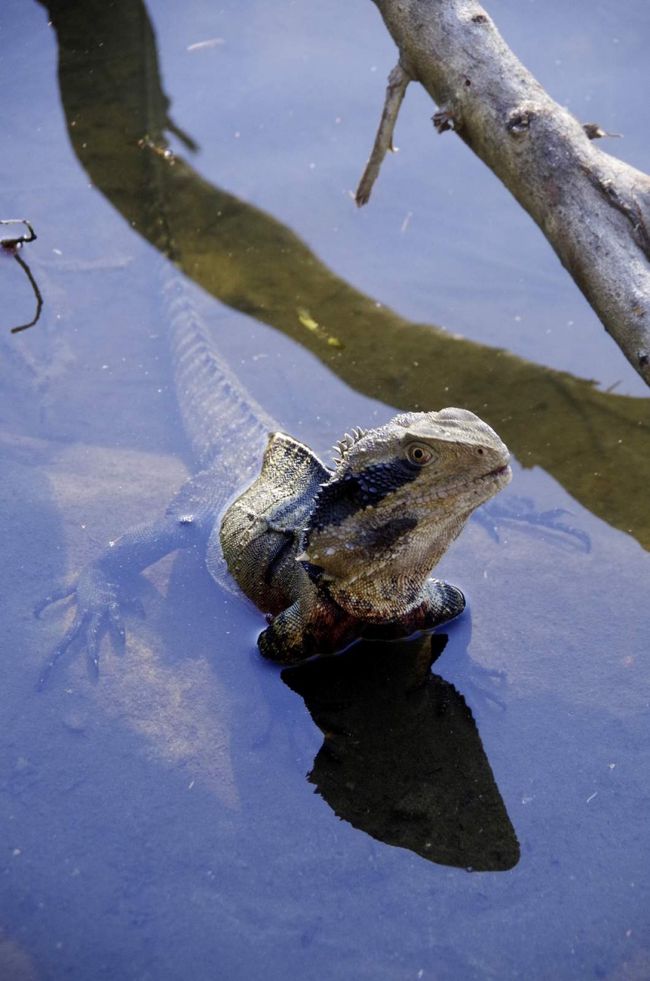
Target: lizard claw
[60, 650]
[61, 592]
[93, 636]
[116, 627]
[98, 612]
[135, 606]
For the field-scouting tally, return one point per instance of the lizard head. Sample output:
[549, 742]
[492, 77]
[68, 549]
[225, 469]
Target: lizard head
[400, 494]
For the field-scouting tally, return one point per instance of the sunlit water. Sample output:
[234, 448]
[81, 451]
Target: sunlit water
[161, 824]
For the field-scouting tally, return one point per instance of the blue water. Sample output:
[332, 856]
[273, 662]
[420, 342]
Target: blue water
[181, 817]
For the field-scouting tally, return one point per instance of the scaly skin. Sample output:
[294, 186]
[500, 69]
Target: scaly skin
[329, 556]
[335, 556]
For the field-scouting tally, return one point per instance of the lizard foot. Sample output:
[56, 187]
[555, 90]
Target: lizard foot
[282, 644]
[98, 612]
[297, 634]
[59, 593]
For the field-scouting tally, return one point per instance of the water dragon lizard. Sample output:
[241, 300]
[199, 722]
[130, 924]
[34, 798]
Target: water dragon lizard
[329, 555]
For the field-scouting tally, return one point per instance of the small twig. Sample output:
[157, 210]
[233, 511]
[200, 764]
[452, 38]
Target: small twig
[443, 120]
[180, 134]
[397, 83]
[11, 247]
[37, 294]
[595, 132]
[10, 244]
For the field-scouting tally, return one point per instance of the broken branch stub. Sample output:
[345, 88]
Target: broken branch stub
[395, 91]
[593, 209]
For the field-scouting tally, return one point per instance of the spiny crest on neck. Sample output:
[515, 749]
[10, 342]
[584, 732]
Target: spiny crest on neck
[344, 445]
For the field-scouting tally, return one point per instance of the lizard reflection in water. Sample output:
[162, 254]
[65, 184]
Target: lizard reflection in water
[330, 556]
[401, 757]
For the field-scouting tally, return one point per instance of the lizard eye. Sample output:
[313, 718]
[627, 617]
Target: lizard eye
[419, 454]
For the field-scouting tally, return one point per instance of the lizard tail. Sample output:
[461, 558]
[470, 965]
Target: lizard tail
[225, 426]
[220, 417]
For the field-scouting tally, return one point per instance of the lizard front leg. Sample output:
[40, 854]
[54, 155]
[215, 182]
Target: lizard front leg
[439, 603]
[306, 628]
[320, 626]
[98, 588]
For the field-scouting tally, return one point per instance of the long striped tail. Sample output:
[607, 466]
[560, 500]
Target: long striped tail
[220, 417]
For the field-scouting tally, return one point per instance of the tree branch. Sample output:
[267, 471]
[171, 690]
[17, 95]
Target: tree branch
[395, 91]
[593, 209]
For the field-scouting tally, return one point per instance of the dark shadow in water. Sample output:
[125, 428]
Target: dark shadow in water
[593, 442]
[402, 758]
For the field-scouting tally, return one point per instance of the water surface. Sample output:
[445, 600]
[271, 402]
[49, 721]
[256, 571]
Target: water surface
[195, 812]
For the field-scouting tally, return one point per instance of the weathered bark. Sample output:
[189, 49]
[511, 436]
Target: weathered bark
[593, 209]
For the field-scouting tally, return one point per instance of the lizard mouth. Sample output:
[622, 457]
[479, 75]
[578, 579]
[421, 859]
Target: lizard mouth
[490, 482]
[502, 475]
